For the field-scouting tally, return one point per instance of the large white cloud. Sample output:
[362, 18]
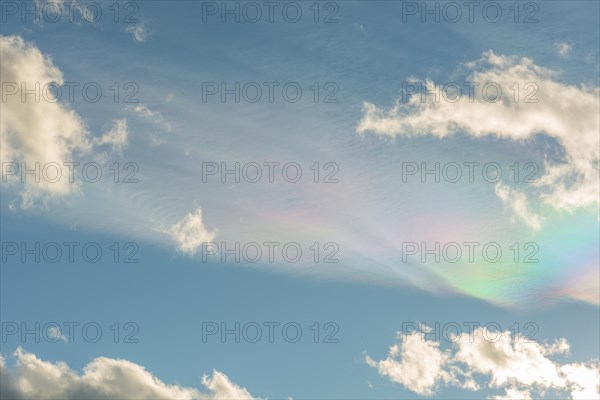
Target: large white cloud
[102, 378]
[518, 366]
[36, 128]
[566, 113]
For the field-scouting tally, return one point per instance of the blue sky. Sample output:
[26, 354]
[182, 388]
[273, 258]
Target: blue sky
[369, 134]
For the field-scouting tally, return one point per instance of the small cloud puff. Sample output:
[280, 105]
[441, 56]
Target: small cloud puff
[189, 233]
[563, 49]
[139, 31]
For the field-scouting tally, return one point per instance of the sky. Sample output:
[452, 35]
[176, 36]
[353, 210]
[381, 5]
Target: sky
[305, 199]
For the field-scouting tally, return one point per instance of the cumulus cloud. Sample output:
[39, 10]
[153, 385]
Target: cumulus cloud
[189, 232]
[566, 113]
[37, 128]
[514, 394]
[102, 378]
[583, 380]
[521, 367]
[223, 388]
[507, 361]
[416, 364]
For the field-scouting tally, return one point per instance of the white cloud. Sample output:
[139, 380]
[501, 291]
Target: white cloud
[518, 366]
[189, 232]
[61, 11]
[55, 333]
[518, 202]
[583, 380]
[36, 128]
[102, 378]
[153, 116]
[139, 31]
[117, 137]
[223, 388]
[566, 113]
[416, 364]
[514, 394]
[563, 49]
[507, 361]
[36, 131]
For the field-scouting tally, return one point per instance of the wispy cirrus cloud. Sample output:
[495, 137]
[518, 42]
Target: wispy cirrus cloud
[155, 118]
